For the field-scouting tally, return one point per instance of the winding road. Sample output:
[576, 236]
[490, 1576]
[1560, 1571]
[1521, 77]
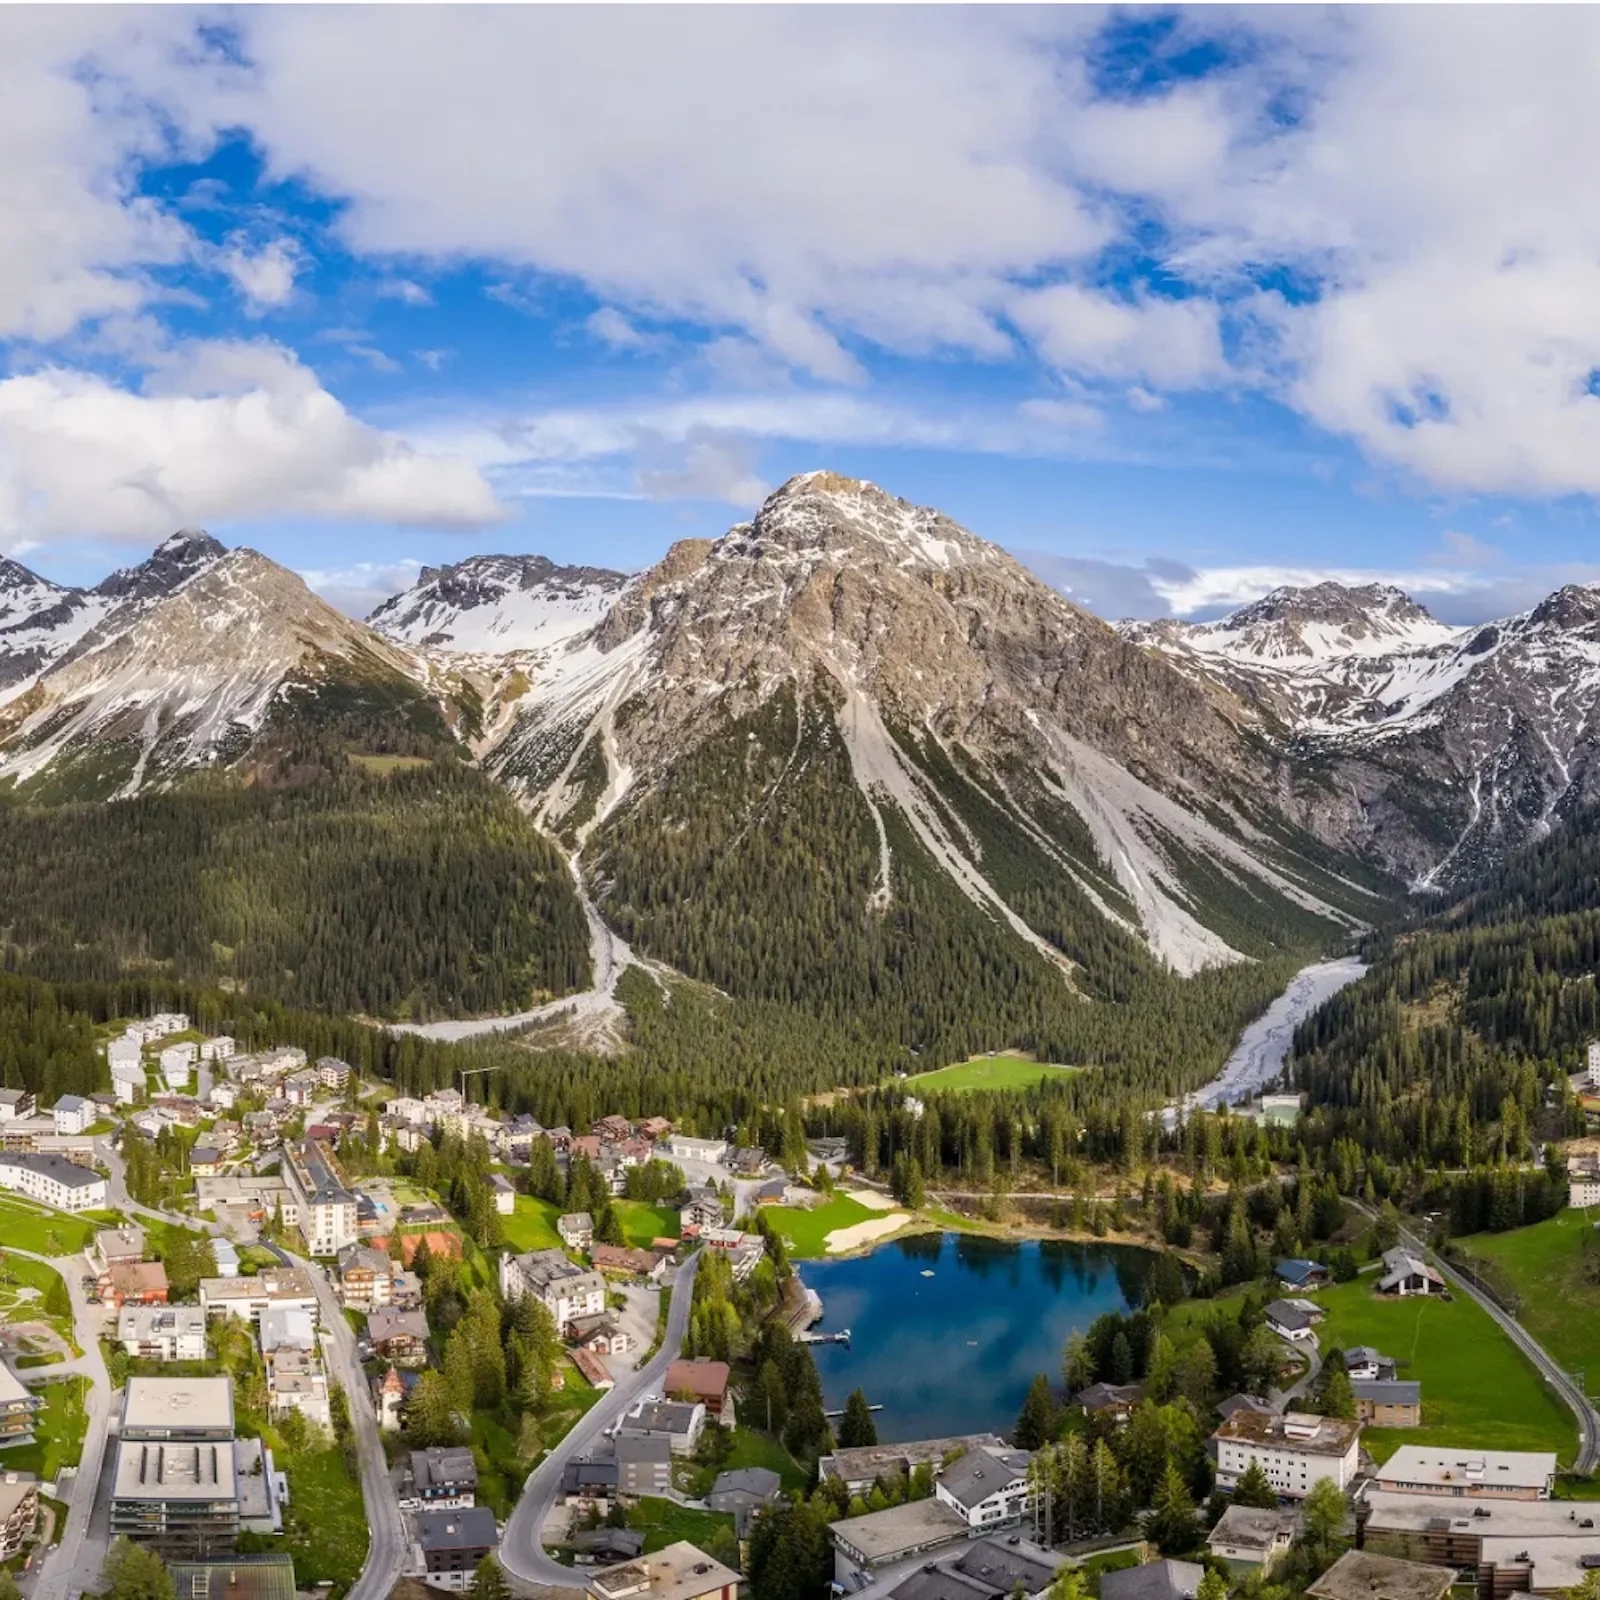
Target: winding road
[76, 1560]
[1573, 1397]
[521, 1552]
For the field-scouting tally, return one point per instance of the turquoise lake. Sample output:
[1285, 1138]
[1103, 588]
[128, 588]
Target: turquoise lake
[955, 1352]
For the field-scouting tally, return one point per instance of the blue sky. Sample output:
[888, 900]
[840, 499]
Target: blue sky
[1176, 305]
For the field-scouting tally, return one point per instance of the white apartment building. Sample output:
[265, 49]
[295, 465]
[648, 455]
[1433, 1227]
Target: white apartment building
[1295, 1450]
[127, 1082]
[1594, 1063]
[163, 1333]
[296, 1382]
[566, 1291]
[72, 1114]
[681, 1147]
[177, 1064]
[54, 1180]
[987, 1488]
[221, 1048]
[159, 1026]
[325, 1207]
[125, 1052]
[249, 1297]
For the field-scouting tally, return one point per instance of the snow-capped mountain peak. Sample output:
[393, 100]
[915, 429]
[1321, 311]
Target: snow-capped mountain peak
[498, 604]
[173, 562]
[1321, 622]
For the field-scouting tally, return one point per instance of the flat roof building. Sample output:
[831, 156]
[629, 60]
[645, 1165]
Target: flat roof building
[1443, 1470]
[681, 1571]
[1296, 1450]
[186, 1409]
[859, 1467]
[182, 1498]
[1361, 1575]
[865, 1545]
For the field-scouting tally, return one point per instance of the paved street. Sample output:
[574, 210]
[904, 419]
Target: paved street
[521, 1552]
[76, 1561]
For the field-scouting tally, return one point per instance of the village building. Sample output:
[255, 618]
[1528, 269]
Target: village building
[627, 1262]
[1387, 1402]
[439, 1478]
[249, 1297]
[297, 1382]
[644, 1465]
[1362, 1362]
[587, 1483]
[388, 1400]
[1488, 1474]
[742, 1493]
[987, 1488]
[1361, 1575]
[505, 1194]
[366, 1278]
[859, 1467]
[576, 1230]
[1294, 1320]
[1155, 1580]
[399, 1336]
[865, 1546]
[72, 1114]
[1295, 1451]
[678, 1421]
[1115, 1400]
[682, 1147]
[566, 1291]
[128, 1082]
[450, 1544]
[163, 1333]
[678, 1572]
[113, 1247]
[1300, 1275]
[54, 1180]
[326, 1209]
[19, 1512]
[1406, 1274]
[136, 1283]
[704, 1382]
[1250, 1539]
[19, 1405]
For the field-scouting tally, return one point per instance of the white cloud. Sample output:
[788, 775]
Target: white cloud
[374, 357]
[264, 277]
[1174, 344]
[359, 589]
[77, 235]
[220, 431]
[715, 466]
[610, 327]
[405, 291]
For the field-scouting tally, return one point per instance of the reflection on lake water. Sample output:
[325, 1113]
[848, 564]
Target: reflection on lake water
[955, 1353]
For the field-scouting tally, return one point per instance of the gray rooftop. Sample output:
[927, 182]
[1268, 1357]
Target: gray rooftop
[902, 1530]
[760, 1483]
[1361, 1575]
[1387, 1391]
[1155, 1580]
[982, 1473]
[634, 1449]
[152, 1403]
[1006, 1565]
[1252, 1528]
[67, 1173]
[467, 1528]
[168, 1471]
[443, 1466]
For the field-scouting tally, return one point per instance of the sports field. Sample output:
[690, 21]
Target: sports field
[1008, 1070]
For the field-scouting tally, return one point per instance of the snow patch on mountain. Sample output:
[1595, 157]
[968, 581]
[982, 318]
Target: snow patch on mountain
[498, 604]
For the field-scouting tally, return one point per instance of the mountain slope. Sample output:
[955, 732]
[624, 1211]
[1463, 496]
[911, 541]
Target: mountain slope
[1079, 792]
[192, 680]
[1457, 744]
[497, 604]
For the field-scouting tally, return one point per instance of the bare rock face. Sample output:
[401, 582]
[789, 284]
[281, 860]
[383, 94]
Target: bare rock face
[1435, 750]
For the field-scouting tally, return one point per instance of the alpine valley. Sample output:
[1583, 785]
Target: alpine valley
[849, 763]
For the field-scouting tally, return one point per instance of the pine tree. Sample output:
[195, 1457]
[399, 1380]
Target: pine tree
[857, 1428]
[1171, 1524]
[1253, 1489]
[1036, 1422]
[489, 1582]
[135, 1572]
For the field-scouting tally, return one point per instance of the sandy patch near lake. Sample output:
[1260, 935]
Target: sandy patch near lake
[842, 1240]
[872, 1200]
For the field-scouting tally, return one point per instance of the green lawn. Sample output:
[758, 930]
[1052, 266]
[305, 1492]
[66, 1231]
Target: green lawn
[806, 1231]
[1477, 1387]
[325, 1523]
[1555, 1268]
[664, 1522]
[532, 1226]
[641, 1223]
[1009, 1070]
[751, 1449]
[25, 1226]
[58, 1432]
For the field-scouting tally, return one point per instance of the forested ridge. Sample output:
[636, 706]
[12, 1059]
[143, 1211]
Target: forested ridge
[1443, 1050]
[410, 892]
